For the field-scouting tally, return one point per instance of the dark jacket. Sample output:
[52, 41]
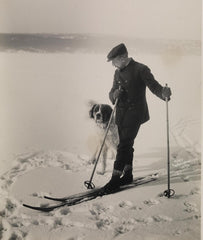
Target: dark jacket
[132, 106]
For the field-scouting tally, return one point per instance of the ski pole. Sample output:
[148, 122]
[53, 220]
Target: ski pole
[169, 192]
[89, 184]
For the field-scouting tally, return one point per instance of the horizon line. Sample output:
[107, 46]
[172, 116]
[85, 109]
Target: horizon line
[99, 34]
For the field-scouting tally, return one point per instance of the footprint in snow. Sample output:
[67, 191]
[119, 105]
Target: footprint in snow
[125, 204]
[40, 194]
[160, 218]
[156, 218]
[151, 202]
[126, 226]
[190, 207]
[10, 206]
[104, 222]
[128, 204]
[15, 236]
[66, 166]
[52, 222]
[195, 190]
[35, 222]
[185, 178]
[98, 208]
[65, 211]
[103, 217]
[177, 232]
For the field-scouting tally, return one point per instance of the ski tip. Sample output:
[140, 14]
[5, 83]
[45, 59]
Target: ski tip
[26, 205]
[42, 209]
[155, 175]
[29, 206]
[47, 197]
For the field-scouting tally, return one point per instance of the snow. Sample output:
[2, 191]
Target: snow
[121, 215]
[43, 154]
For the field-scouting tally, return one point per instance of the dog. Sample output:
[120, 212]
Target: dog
[101, 114]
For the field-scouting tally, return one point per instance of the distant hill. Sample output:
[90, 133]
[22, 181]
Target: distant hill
[94, 43]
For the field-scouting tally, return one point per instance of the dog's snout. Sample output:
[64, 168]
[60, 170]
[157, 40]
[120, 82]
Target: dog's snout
[98, 115]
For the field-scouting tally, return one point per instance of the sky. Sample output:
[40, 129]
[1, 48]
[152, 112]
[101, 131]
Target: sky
[174, 19]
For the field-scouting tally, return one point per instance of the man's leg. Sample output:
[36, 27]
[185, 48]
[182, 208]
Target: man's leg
[124, 157]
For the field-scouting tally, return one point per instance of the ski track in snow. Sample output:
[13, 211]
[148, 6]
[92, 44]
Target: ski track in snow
[117, 218]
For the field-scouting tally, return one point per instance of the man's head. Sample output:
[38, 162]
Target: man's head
[118, 55]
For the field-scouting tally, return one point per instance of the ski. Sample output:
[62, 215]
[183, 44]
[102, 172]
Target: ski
[137, 181]
[61, 204]
[89, 195]
[75, 196]
[45, 209]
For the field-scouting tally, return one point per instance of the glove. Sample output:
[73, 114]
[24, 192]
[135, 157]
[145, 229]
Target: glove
[166, 93]
[118, 93]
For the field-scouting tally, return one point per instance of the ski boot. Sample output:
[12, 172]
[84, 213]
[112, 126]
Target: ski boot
[113, 184]
[127, 177]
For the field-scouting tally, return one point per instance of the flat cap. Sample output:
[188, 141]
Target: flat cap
[117, 51]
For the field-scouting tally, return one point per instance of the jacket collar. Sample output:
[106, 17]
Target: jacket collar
[129, 61]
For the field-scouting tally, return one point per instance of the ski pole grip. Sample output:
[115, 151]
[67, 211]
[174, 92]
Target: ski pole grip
[119, 88]
[166, 85]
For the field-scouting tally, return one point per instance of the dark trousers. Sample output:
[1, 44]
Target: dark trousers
[125, 147]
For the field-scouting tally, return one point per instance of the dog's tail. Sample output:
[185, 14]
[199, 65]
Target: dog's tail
[91, 103]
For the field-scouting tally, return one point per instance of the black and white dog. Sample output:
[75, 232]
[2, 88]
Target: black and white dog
[101, 114]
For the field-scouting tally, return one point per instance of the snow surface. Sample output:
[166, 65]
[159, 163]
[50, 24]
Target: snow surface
[142, 212]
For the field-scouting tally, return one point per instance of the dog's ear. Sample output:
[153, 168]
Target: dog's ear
[91, 111]
[90, 103]
[108, 110]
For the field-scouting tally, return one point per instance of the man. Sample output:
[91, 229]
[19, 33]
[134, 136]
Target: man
[129, 86]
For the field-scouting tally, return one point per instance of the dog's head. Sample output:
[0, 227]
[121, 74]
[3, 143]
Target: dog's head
[101, 113]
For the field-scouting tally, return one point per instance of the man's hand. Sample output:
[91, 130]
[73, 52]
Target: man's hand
[166, 93]
[118, 93]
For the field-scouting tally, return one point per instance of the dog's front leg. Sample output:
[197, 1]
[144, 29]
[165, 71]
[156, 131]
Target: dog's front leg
[113, 153]
[93, 157]
[104, 157]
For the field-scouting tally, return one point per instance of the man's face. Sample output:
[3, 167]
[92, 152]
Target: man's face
[117, 62]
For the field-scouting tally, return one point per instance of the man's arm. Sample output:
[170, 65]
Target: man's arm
[153, 85]
[114, 88]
